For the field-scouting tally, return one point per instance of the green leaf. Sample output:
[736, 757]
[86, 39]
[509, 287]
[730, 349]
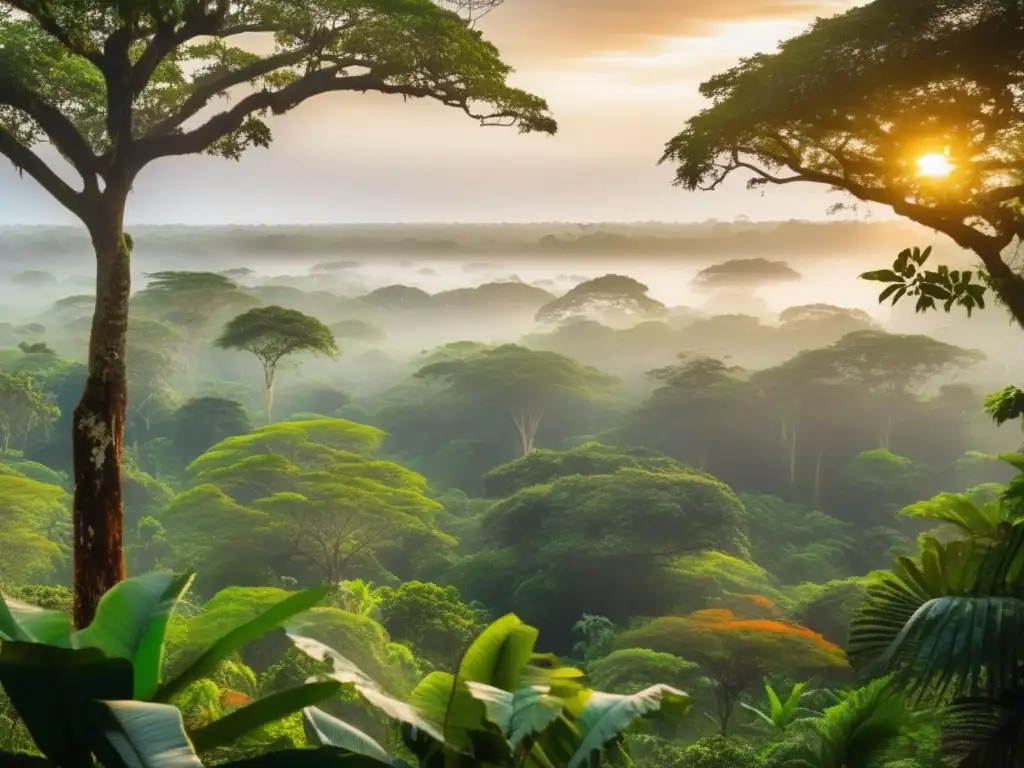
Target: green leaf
[985, 730]
[344, 671]
[269, 620]
[889, 291]
[902, 259]
[1015, 460]
[792, 704]
[882, 276]
[432, 696]
[496, 657]
[521, 715]
[775, 709]
[607, 717]
[270, 709]
[31, 624]
[935, 291]
[498, 654]
[766, 719]
[139, 734]
[53, 690]
[131, 623]
[332, 732]
[10, 629]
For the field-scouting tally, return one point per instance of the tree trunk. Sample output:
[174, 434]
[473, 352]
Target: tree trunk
[268, 398]
[1007, 284]
[885, 435]
[98, 422]
[527, 423]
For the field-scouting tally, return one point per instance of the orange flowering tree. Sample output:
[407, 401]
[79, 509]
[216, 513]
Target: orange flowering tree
[735, 651]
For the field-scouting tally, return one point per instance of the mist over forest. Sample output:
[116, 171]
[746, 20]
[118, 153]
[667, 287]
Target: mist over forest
[609, 431]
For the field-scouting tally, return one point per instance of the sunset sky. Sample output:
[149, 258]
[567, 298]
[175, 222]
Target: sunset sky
[621, 78]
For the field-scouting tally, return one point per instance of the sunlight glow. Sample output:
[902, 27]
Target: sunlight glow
[935, 165]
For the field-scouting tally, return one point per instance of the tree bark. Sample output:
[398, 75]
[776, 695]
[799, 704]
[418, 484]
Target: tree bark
[268, 396]
[1005, 282]
[98, 423]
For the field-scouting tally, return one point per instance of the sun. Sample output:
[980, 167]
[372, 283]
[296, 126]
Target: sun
[934, 165]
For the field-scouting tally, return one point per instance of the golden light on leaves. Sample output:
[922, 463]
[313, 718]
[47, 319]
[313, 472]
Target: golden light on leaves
[934, 165]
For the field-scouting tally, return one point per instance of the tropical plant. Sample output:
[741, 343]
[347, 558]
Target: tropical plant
[99, 690]
[357, 596]
[505, 706]
[854, 733]
[971, 514]
[780, 715]
[947, 627]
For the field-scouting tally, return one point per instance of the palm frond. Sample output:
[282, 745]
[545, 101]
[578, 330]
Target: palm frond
[951, 622]
[984, 732]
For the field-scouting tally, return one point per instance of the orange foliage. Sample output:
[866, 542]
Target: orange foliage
[750, 606]
[760, 600]
[719, 634]
[234, 699]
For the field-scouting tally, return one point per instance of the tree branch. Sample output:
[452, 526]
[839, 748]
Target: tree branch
[208, 87]
[42, 12]
[60, 131]
[949, 221]
[26, 160]
[166, 39]
[281, 100]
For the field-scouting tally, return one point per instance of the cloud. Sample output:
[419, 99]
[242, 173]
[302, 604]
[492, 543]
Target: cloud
[544, 29]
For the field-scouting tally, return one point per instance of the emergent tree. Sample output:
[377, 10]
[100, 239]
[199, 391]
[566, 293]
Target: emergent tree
[272, 334]
[522, 380]
[114, 86]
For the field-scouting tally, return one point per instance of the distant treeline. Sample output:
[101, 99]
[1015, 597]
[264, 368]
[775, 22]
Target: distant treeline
[790, 238]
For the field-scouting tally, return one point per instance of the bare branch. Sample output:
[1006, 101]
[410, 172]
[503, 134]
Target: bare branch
[472, 10]
[24, 159]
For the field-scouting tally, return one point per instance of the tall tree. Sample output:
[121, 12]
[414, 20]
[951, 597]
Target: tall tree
[911, 104]
[272, 334]
[522, 381]
[115, 86]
